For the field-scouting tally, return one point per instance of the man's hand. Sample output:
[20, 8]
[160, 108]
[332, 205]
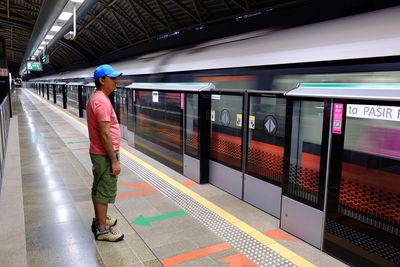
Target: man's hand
[115, 168]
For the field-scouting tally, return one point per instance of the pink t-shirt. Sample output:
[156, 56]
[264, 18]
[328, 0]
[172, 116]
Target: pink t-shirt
[99, 109]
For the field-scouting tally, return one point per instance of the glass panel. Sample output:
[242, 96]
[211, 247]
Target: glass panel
[159, 120]
[367, 214]
[84, 97]
[226, 135]
[117, 103]
[123, 107]
[131, 111]
[266, 138]
[59, 95]
[305, 150]
[72, 99]
[51, 92]
[192, 123]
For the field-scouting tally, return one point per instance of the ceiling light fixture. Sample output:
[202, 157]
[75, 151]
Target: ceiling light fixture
[55, 28]
[65, 16]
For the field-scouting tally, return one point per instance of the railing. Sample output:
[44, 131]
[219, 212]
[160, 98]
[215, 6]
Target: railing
[4, 127]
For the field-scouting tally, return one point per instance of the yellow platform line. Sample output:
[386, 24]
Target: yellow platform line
[267, 241]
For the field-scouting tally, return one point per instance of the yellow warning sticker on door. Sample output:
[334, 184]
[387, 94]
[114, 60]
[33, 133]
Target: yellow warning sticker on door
[239, 120]
[252, 122]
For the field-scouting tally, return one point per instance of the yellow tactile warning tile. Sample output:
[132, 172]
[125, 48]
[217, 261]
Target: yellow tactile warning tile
[270, 243]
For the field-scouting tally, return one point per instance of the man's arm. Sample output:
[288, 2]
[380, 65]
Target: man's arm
[106, 140]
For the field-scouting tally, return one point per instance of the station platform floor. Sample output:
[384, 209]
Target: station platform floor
[167, 219]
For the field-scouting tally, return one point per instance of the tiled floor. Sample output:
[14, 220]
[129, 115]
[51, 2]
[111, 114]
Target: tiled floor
[55, 184]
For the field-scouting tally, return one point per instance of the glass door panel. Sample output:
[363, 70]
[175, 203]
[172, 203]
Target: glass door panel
[159, 126]
[191, 126]
[363, 212]
[226, 130]
[266, 138]
[305, 153]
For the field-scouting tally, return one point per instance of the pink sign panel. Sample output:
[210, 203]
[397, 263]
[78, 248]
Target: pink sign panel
[337, 118]
[182, 101]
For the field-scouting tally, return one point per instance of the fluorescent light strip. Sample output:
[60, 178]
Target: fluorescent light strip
[65, 16]
[55, 28]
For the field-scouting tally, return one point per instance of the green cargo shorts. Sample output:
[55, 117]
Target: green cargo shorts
[104, 187]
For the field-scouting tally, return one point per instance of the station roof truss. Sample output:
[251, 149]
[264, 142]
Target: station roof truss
[110, 27]
[17, 19]
[114, 25]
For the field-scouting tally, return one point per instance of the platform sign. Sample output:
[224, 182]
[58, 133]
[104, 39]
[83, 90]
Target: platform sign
[34, 65]
[388, 113]
[337, 118]
[155, 96]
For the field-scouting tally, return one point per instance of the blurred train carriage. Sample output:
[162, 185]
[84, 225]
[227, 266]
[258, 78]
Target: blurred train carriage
[273, 146]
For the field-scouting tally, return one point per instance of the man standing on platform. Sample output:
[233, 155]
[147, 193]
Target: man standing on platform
[104, 135]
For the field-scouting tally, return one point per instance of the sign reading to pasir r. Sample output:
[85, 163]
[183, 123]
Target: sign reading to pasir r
[389, 113]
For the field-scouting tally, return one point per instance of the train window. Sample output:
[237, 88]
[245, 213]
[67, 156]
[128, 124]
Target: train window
[231, 82]
[288, 82]
[266, 138]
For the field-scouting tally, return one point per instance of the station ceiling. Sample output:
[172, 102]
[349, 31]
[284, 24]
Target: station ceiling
[116, 29]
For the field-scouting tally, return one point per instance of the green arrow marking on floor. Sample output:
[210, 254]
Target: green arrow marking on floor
[140, 220]
[76, 142]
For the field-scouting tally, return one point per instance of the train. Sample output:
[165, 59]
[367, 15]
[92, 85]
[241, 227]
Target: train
[268, 147]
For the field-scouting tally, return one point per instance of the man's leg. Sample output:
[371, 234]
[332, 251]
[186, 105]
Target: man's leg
[94, 207]
[101, 214]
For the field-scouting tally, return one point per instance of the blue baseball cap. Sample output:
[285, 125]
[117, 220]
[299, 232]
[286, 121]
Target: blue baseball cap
[105, 70]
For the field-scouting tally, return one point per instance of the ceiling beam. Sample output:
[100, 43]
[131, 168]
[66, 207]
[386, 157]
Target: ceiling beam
[21, 51]
[139, 18]
[164, 15]
[187, 11]
[120, 25]
[240, 5]
[105, 28]
[196, 7]
[17, 22]
[122, 13]
[151, 13]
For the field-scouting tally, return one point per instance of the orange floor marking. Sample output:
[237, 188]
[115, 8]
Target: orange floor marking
[238, 260]
[195, 254]
[279, 234]
[138, 186]
[189, 182]
[136, 193]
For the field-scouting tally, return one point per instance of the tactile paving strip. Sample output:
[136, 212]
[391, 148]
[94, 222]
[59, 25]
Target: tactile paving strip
[247, 245]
